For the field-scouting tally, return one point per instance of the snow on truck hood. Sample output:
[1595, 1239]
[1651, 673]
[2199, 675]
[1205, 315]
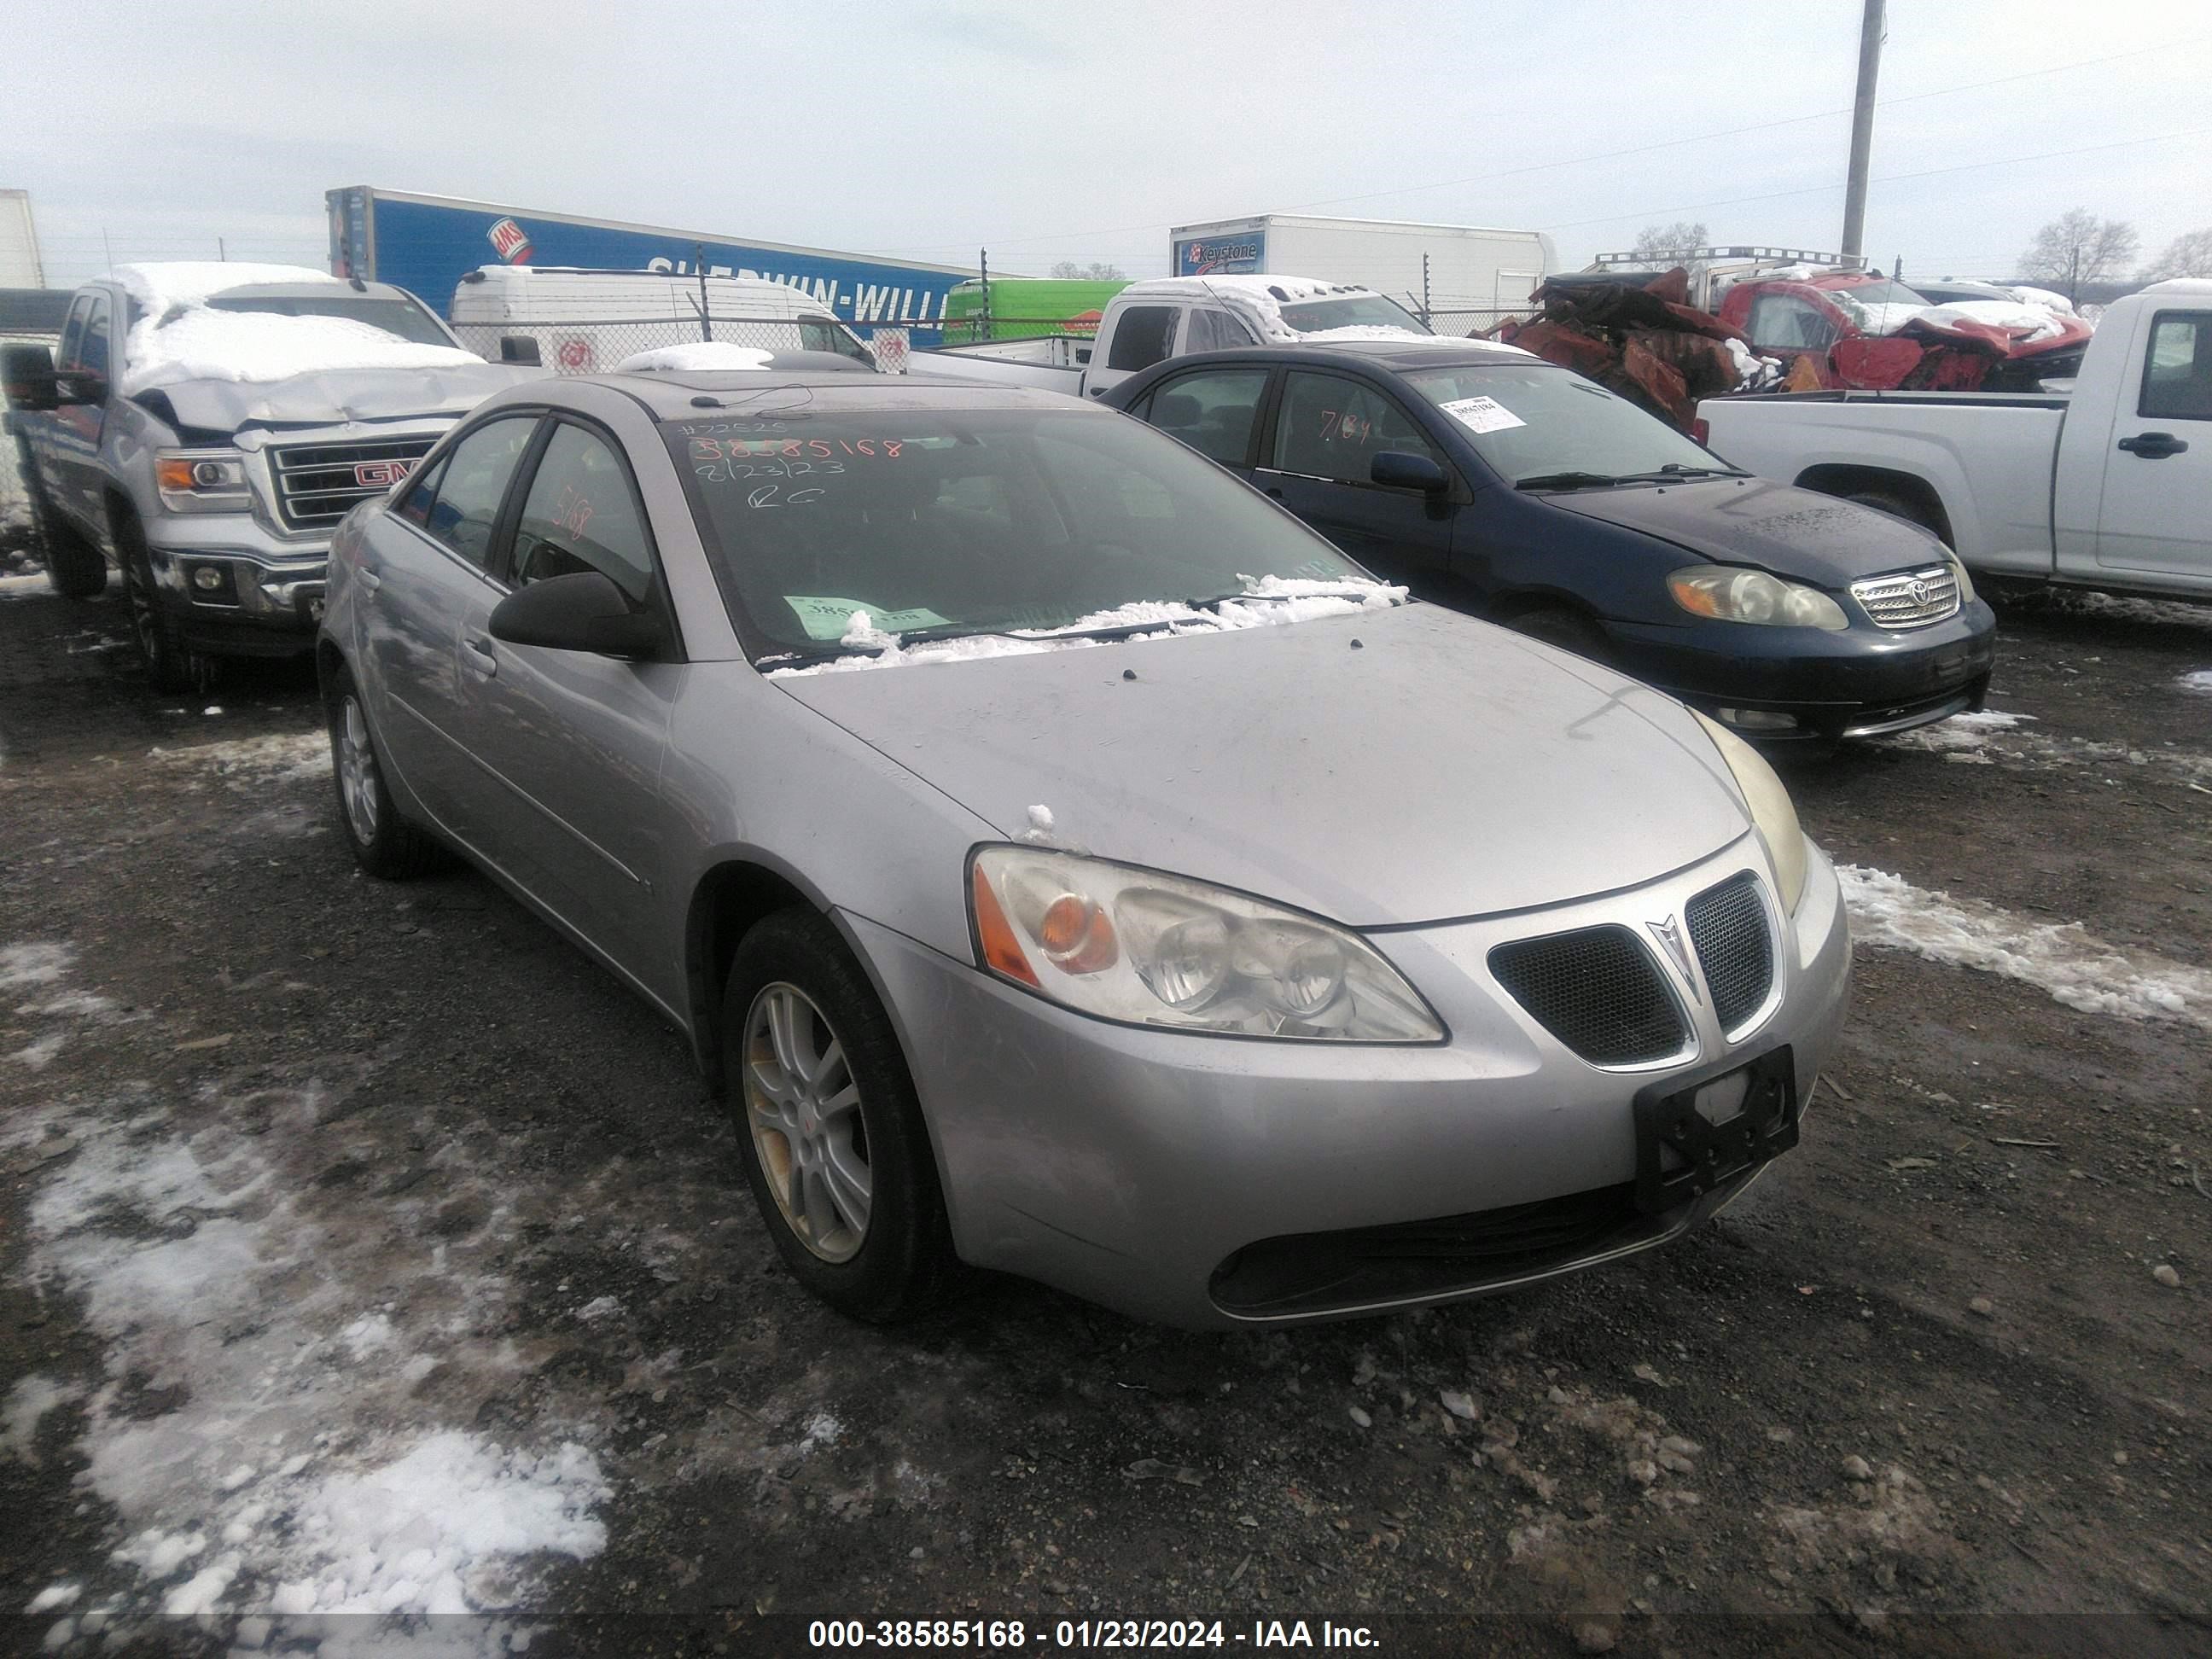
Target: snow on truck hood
[329, 397]
[1445, 769]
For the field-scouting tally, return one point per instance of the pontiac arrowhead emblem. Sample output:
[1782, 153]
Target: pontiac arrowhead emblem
[1669, 935]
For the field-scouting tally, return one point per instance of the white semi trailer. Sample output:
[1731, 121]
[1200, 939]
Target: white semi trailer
[1460, 278]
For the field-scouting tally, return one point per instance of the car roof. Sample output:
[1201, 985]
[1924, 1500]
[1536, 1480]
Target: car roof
[1411, 352]
[677, 395]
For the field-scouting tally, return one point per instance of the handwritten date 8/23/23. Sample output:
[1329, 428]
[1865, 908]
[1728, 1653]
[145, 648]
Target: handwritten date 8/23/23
[1087, 1633]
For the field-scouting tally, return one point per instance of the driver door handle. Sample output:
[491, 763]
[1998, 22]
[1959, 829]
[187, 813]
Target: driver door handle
[2154, 445]
[480, 656]
[370, 580]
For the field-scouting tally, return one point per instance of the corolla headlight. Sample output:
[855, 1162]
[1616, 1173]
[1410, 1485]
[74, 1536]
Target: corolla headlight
[1729, 593]
[201, 480]
[1147, 948]
[1771, 814]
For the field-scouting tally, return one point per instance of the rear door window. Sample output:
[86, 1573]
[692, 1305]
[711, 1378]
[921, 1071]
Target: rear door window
[474, 484]
[2177, 372]
[1334, 429]
[1141, 337]
[1209, 330]
[1212, 410]
[582, 514]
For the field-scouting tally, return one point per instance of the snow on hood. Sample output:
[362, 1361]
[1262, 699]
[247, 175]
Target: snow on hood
[2041, 296]
[260, 348]
[1884, 317]
[1267, 602]
[699, 354]
[2039, 322]
[174, 284]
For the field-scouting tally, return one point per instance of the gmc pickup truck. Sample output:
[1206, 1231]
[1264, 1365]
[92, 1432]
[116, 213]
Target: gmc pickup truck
[2109, 486]
[204, 427]
[1150, 322]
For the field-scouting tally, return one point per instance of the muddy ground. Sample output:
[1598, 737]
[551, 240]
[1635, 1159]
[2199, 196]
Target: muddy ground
[298, 1162]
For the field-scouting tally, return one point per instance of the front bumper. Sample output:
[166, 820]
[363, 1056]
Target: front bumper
[267, 596]
[1138, 1168]
[1862, 682]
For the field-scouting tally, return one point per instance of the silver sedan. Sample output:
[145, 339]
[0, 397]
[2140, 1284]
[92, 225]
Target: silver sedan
[1065, 862]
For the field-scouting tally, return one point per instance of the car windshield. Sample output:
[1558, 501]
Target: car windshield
[946, 523]
[401, 317]
[1531, 421]
[1883, 292]
[1355, 311]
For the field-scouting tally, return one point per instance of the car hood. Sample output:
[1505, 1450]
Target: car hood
[333, 396]
[1412, 765]
[1779, 527]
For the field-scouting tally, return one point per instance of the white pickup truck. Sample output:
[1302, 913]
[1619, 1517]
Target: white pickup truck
[1149, 322]
[2109, 485]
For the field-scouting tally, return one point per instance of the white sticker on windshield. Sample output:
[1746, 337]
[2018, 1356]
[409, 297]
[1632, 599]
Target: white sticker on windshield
[827, 619]
[1481, 414]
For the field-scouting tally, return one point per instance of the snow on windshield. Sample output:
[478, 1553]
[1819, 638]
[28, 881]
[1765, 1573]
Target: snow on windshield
[172, 285]
[1267, 602]
[203, 344]
[698, 355]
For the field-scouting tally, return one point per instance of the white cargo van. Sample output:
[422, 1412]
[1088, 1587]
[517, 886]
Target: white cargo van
[584, 322]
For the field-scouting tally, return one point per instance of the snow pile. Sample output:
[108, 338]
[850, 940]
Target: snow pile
[711, 355]
[2041, 296]
[32, 585]
[39, 962]
[1881, 317]
[2201, 680]
[2063, 958]
[257, 347]
[1960, 737]
[1267, 602]
[180, 284]
[2028, 323]
[1753, 372]
[280, 758]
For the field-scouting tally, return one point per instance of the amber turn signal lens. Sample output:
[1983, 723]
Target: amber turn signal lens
[1002, 951]
[173, 473]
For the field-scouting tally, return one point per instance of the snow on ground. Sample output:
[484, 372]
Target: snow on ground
[1994, 736]
[276, 757]
[701, 354]
[1267, 602]
[257, 347]
[32, 585]
[305, 1466]
[2171, 613]
[2064, 958]
[2201, 680]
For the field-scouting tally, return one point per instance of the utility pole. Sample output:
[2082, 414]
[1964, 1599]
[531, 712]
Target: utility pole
[1855, 191]
[699, 264]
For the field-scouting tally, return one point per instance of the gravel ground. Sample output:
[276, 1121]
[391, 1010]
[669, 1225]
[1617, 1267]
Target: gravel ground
[364, 1247]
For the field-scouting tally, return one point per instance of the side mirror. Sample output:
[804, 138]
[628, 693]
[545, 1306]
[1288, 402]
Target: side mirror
[1397, 470]
[521, 348]
[584, 611]
[27, 372]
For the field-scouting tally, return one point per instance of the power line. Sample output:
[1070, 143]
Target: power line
[2167, 47]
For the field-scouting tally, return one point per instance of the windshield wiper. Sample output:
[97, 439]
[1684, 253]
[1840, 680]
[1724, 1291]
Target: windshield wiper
[1677, 469]
[1567, 481]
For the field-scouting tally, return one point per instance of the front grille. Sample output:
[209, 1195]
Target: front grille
[1317, 1272]
[1598, 991]
[318, 484]
[1728, 925]
[1913, 598]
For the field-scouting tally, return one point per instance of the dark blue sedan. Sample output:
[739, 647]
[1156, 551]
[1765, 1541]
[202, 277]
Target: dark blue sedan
[1496, 483]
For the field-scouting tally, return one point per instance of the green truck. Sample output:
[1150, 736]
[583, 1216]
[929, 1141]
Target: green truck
[1024, 309]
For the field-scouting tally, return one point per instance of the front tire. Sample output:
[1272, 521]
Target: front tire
[171, 663]
[835, 1151]
[384, 844]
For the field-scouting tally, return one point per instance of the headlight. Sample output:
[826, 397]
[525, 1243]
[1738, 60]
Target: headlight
[1146, 948]
[201, 480]
[1728, 594]
[1771, 814]
[1966, 582]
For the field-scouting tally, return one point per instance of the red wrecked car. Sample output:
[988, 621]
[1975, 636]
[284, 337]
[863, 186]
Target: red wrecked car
[1861, 330]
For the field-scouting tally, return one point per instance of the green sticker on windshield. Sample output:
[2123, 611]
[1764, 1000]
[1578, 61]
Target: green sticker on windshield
[828, 619]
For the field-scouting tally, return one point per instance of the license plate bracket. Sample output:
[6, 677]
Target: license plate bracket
[1681, 1155]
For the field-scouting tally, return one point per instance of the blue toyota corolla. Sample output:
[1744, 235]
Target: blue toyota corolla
[1491, 481]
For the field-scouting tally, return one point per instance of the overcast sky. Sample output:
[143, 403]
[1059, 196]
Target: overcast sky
[1045, 131]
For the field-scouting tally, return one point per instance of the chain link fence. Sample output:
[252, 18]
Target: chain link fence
[1461, 324]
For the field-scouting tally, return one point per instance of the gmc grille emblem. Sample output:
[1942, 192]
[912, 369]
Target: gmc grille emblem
[380, 474]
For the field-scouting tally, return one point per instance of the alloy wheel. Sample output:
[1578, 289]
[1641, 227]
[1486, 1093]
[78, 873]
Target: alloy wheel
[357, 779]
[803, 1106]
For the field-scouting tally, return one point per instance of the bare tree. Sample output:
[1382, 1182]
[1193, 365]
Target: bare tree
[2185, 256]
[1098, 270]
[2078, 248]
[1670, 244]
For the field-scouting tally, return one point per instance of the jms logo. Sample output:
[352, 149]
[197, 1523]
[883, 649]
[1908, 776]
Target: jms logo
[510, 241]
[380, 474]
